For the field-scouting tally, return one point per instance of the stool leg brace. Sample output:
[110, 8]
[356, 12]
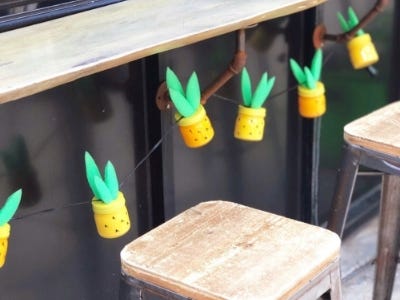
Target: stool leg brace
[389, 226]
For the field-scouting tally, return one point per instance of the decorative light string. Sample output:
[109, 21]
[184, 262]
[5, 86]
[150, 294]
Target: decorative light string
[151, 151]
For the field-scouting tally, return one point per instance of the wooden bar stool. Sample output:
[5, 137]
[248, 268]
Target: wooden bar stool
[223, 250]
[374, 141]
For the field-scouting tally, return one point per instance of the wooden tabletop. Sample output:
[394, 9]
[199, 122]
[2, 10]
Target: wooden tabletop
[222, 250]
[42, 56]
[378, 131]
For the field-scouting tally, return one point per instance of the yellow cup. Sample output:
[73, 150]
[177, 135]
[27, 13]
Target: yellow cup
[112, 219]
[312, 102]
[362, 51]
[196, 130]
[4, 235]
[250, 123]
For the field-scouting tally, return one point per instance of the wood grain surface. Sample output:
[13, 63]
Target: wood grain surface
[222, 250]
[378, 131]
[42, 56]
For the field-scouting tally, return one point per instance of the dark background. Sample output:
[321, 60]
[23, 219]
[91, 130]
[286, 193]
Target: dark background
[54, 250]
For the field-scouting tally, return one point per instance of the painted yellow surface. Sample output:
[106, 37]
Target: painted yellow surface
[112, 219]
[196, 130]
[362, 51]
[312, 102]
[4, 235]
[250, 123]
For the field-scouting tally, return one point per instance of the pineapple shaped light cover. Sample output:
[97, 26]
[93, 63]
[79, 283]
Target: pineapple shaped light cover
[194, 124]
[108, 204]
[311, 92]
[361, 48]
[6, 213]
[250, 120]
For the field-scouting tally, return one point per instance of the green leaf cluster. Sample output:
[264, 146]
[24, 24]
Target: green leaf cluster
[105, 189]
[10, 207]
[261, 92]
[185, 103]
[351, 22]
[308, 77]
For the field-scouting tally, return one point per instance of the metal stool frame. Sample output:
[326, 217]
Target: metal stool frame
[389, 224]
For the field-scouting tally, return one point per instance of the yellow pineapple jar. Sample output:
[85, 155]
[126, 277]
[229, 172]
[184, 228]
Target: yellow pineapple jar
[6, 213]
[196, 130]
[312, 102]
[250, 123]
[362, 51]
[112, 219]
[108, 204]
[4, 235]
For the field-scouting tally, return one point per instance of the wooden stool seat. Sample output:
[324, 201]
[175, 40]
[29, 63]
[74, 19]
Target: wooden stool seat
[223, 250]
[373, 141]
[378, 131]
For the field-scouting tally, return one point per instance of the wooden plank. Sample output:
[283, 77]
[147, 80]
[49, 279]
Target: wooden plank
[378, 131]
[42, 56]
[222, 250]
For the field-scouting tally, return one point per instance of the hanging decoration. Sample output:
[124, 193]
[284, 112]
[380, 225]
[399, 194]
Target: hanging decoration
[6, 213]
[250, 121]
[108, 204]
[361, 49]
[193, 122]
[311, 91]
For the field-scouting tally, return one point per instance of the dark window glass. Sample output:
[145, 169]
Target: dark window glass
[19, 13]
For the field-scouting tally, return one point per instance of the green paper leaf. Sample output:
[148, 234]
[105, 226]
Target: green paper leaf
[353, 20]
[91, 172]
[103, 190]
[267, 91]
[297, 72]
[10, 207]
[259, 95]
[111, 180]
[181, 104]
[193, 93]
[173, 82]
[310, 81]
[343, 23]
[246, 87]
[316, 65]
[270, 85]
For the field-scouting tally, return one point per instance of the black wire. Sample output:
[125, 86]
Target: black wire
[166, 133]
[49, 210]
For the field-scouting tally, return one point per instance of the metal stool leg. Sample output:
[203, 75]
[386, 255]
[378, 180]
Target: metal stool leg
[344, 189]
[389, 237]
